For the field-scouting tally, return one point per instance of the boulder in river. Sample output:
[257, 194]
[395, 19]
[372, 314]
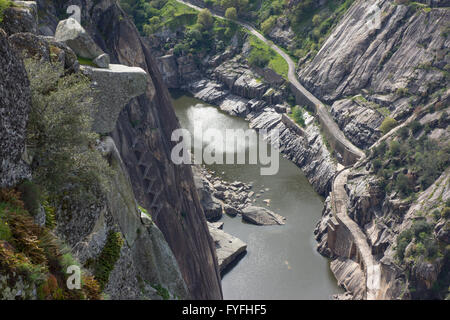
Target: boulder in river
[228, 248]
[231, 211]
[261, 216]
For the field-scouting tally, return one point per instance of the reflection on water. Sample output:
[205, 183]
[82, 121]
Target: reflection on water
[281, 261]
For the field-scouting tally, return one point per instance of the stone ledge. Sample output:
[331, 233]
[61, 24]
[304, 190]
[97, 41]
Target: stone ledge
[114, 87]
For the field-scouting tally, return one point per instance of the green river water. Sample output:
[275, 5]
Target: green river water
[281, 261]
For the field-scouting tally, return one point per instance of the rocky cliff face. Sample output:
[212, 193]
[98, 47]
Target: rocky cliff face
[144, 268]
[15, 105]
[142, 136]
[142, 170]
[404, 56]
[398, 70]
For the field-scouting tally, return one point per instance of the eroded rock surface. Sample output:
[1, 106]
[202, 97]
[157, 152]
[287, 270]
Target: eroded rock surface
[113, 88]
[73, 34]
[359, 120]
[15, 103]
[21, 17]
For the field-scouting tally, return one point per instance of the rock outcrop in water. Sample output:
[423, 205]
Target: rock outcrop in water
[261, 216]
[228, 248]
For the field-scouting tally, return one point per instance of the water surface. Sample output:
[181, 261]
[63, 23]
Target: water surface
[281, 261]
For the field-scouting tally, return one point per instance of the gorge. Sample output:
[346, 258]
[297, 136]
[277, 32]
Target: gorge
[358, 91]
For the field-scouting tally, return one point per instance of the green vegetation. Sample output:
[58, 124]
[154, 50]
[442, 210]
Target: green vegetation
[32, 254]
[311, 23]
[50, 215]
[416, 6]
[262, 56]
[409, 165]
[268, 24]
[425, 244]
[297, 115]
[445, 213]
[31, 196]
[231, 13]
[205, 18]
[60, 138]
[4, 4]
[86, 62]
[108, 258]
[202, 33]
[419, 244]
[151, 16]
[67, 170]
[161, 291]
[240, 5]
[388, 124]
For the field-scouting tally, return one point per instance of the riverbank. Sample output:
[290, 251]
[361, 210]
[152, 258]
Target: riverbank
[289, 271]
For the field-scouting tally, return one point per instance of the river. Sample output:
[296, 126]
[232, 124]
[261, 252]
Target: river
[281, 261]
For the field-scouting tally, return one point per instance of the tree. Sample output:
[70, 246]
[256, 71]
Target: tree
[317, 19]
[394, 147]
[60, 134]
[403, 184]
[388, 124]
[403, 133]
[268, 24]
[205, 18]
[415, 126]
[231, 13]
[297, 114]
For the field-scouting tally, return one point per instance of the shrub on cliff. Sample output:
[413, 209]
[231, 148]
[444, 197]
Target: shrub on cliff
[445, 213]
[238, 5]
[388, 124]
[297, 114]
[231, 13]
[205, 19]
[32, 257]
[59, 134]
[268, 24]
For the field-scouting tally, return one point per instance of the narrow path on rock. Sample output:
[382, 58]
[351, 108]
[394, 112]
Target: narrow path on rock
[339, 206]
[321, 109]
